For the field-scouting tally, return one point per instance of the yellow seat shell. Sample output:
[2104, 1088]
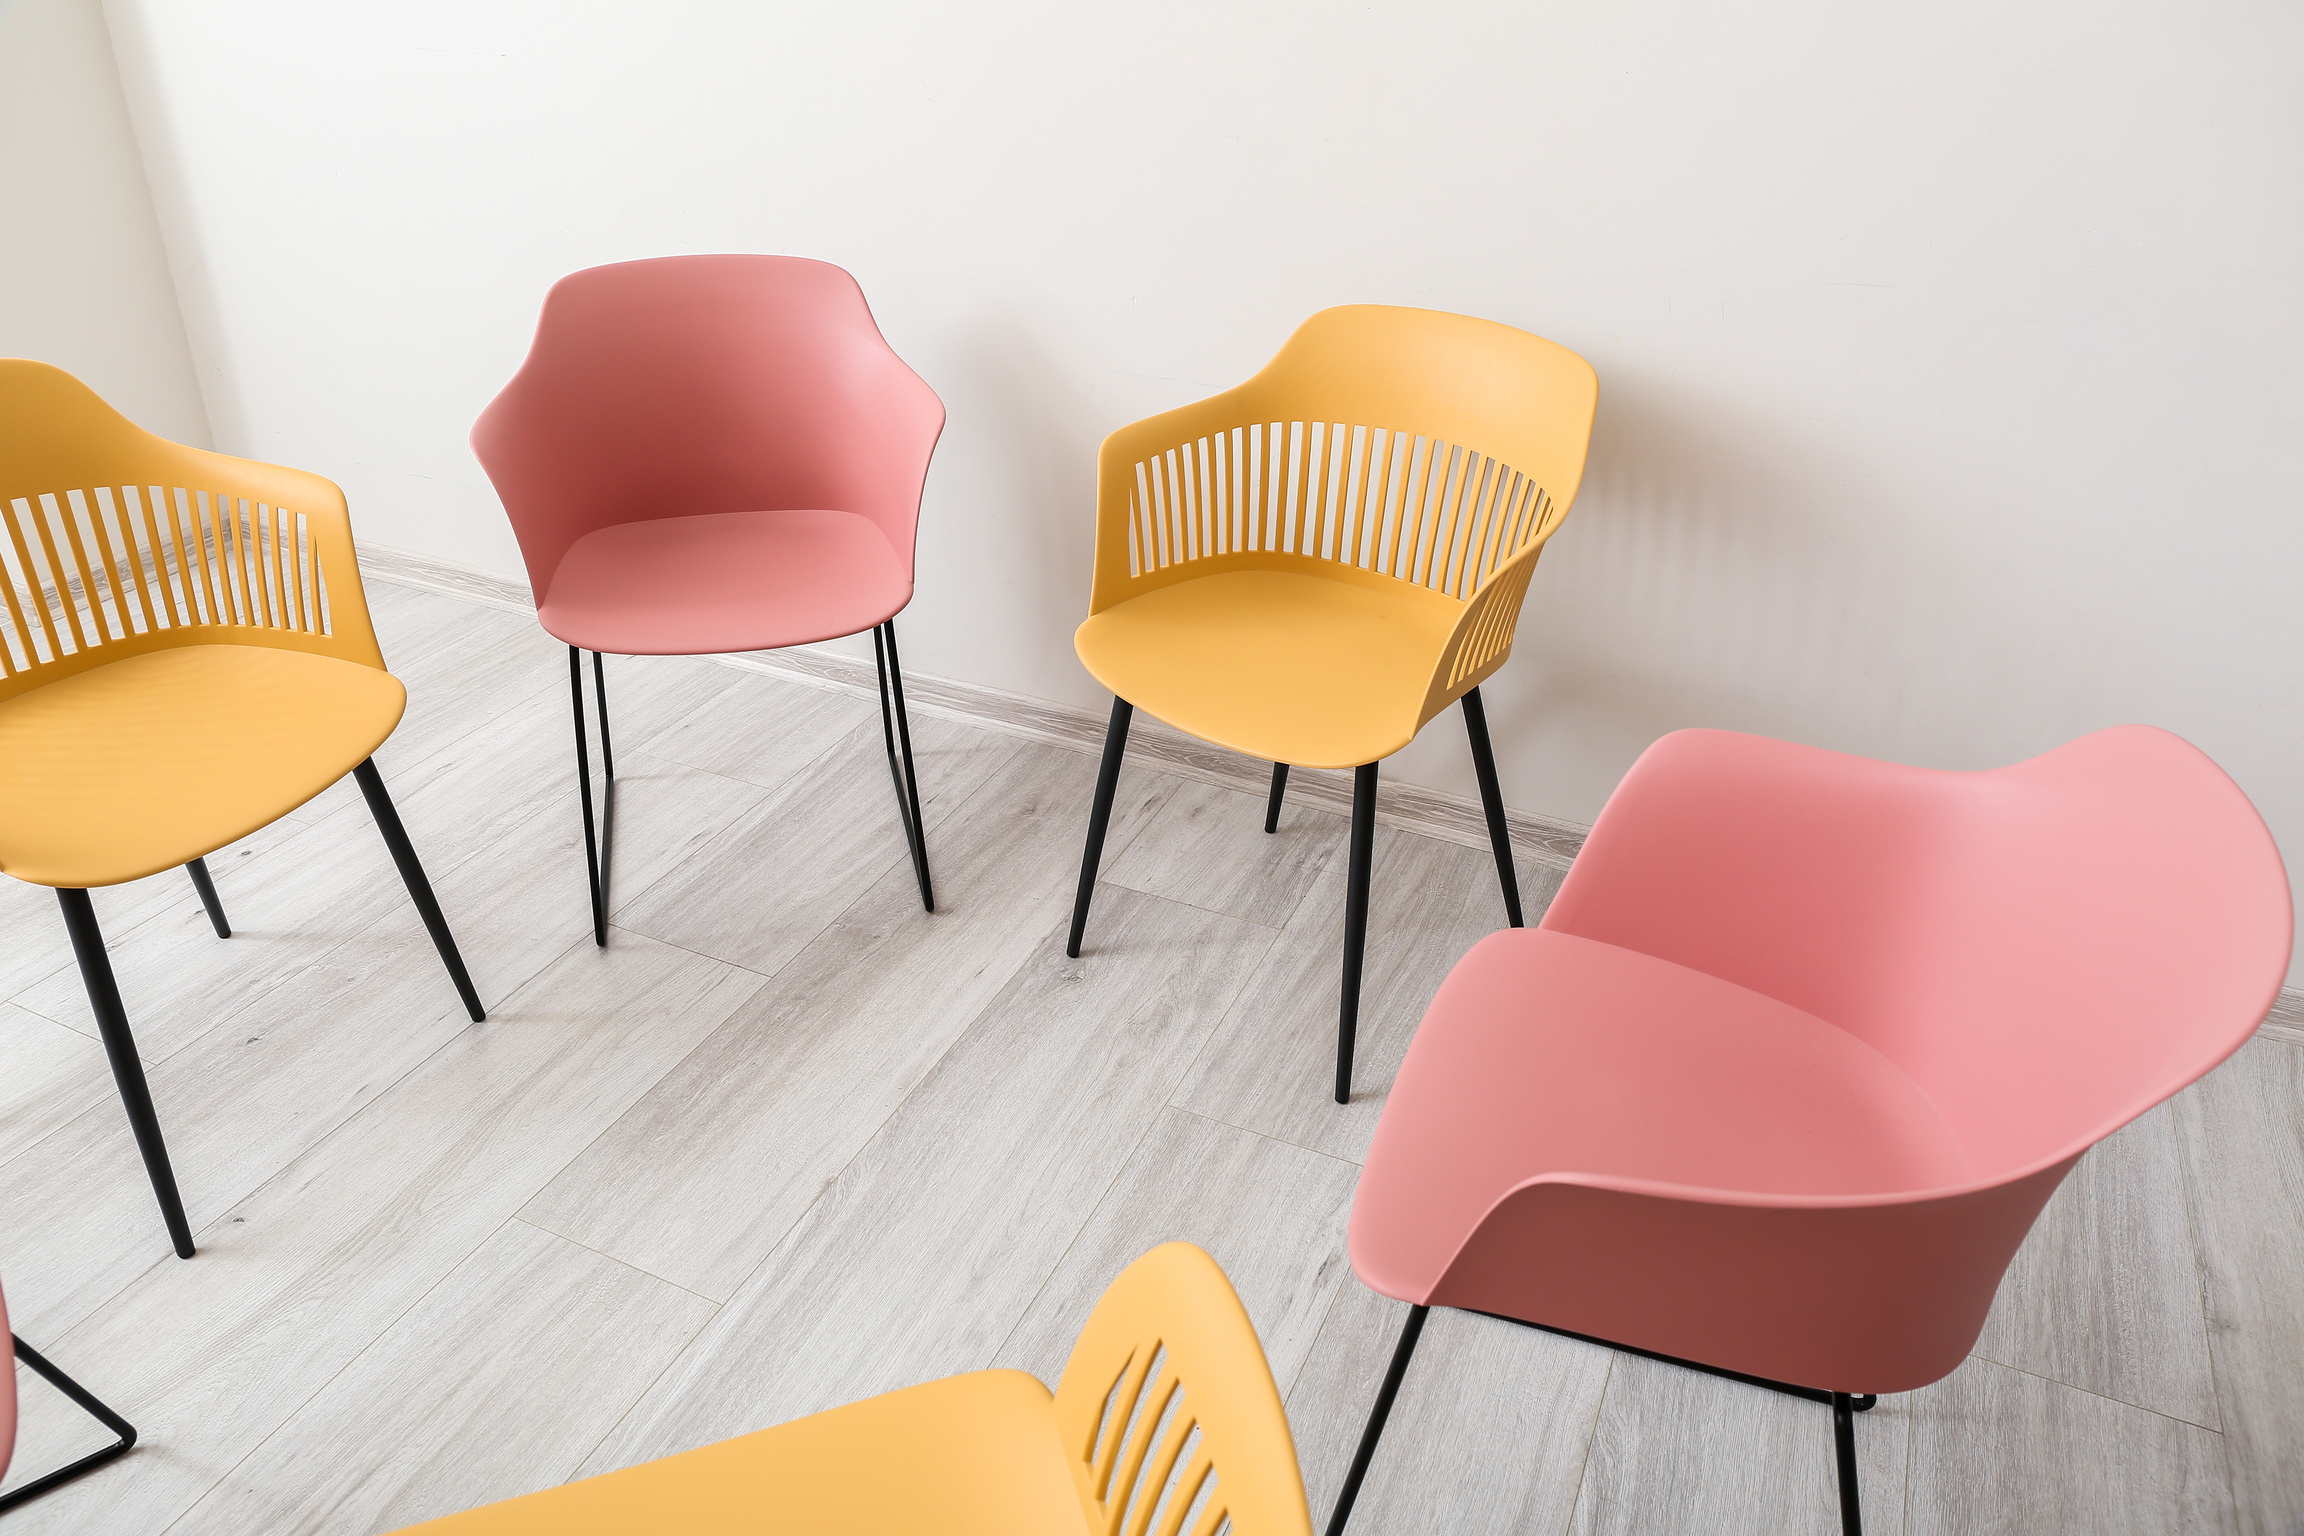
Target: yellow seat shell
[152, 761]
[1286, 665]
[973, 1455]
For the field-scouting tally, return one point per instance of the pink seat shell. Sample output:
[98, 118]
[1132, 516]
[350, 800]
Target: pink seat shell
[711, 453]
[2037, 954]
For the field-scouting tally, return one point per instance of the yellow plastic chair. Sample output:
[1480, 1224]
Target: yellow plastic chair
[1309, 567]
[1165, 1423]
[185, 657]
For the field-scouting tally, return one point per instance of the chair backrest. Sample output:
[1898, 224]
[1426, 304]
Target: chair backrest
[2048, 949]
[114, 541]
[1170, 1419]
[1429, 447]
[687, 385]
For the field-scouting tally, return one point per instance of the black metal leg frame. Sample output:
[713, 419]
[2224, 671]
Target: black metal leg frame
[596, 847]
[93, 1407]
[897, 730]
[1362, 856]
[112, 1017]
[1845, 1407]
[600, 839]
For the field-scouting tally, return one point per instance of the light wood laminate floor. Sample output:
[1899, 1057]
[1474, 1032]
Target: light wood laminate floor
[789, 1141]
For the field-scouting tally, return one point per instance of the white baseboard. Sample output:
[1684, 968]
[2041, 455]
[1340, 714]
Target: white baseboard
[1408, 807]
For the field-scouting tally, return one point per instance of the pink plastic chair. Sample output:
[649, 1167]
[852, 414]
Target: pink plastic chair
[71, 1389]
[706, 454]
[1802, 1047]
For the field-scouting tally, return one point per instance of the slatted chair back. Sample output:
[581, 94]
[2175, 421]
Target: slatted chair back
[1382, 446]
[1171, 1423]
[114, 542]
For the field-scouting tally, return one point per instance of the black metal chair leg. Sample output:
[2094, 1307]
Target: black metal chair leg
[607, 782]
[1355, 922]
[1100, 817]
[419, 888]
[198, 870]
[584, 794]
[896, 731]
[92, 1406]
[1279, 793]
[1412, 1330]
[1492, 801]
[127, 1069]
[1844, 1448]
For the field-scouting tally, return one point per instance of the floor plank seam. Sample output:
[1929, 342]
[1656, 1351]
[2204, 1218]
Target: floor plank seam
[288, 1418]
[574, 1242]
[1184, 1109]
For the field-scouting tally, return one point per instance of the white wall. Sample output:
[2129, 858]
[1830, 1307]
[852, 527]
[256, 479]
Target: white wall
[83, 281]
[1949, 356]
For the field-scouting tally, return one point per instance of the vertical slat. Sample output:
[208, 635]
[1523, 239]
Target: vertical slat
[1470, 522]
[1399, 449]
[1128, 1475]
[1153, 1487]
[59, 580]
[32, 575]
[1123, 1410]
[217, 539]
[1196, 1472]
[95, 592]
[188, 515]
[149, 530]
[122, 571]
[306, 618]
[21, 626]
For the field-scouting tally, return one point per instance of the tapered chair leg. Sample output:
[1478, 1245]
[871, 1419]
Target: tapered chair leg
[1279, 793]
[1492, 801]
[607, 780]
[92, 1406]
[198, 870]
[896, 731]
[127, 1069]
[595, 866]
[1844, 1450]
[1410, 1332]
[1355, 922]
[1100, 817]
[419, 888]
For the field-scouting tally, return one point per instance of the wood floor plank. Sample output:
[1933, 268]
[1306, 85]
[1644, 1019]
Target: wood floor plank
[709, 1171]
[758, 893]
[2105, 1293]
[743, 725]
[53, 1075]
[1488, 1434]
[2241, 1129]
[1208, 847]
[1271, 1214]
[1677, 1450]
[992, 1166]
[1996, 1450]
[493, 1385]
[1272, 1066]
[158, 916]
[209, 1356]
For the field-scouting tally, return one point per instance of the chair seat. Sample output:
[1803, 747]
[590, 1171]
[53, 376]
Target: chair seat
[724, 581]
[974, 1455]
[157, 759]
[1549, 1056]
[1289, 667]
